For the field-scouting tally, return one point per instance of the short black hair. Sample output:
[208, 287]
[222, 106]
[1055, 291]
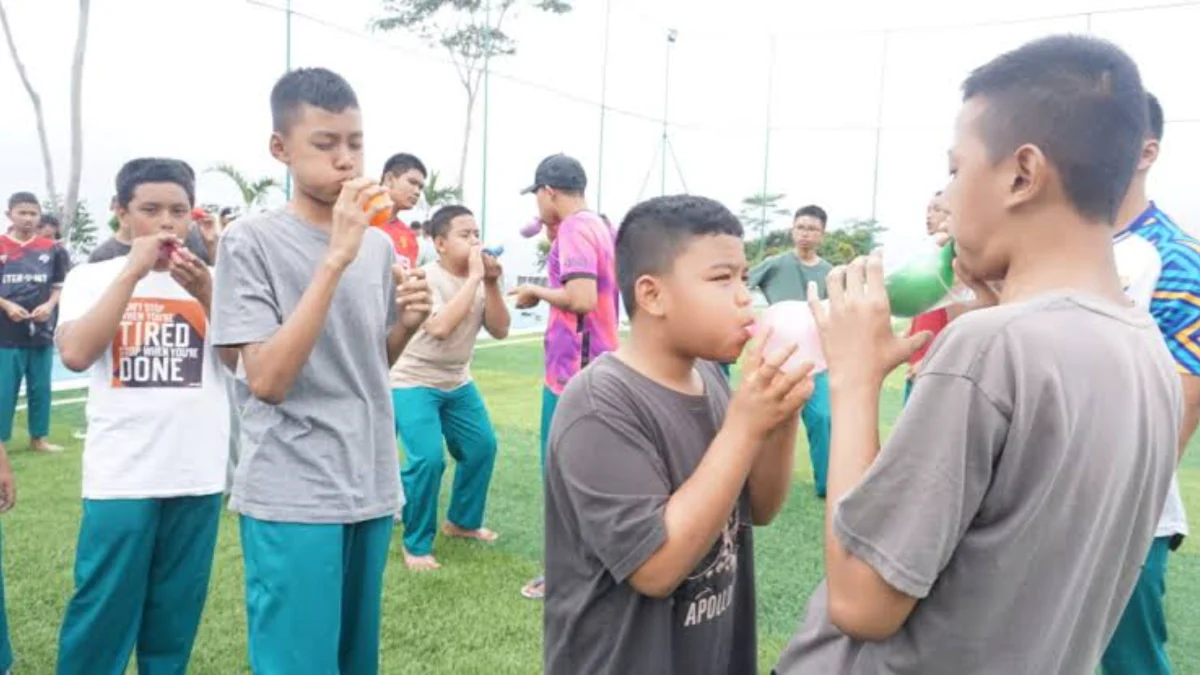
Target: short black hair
[655, 232]
[401, 163]
[812, 211]
[318, 87]
[51, 220]
[19, 198]
[1080, 101]
[154, 170]
[439, 224]
[1154, 117]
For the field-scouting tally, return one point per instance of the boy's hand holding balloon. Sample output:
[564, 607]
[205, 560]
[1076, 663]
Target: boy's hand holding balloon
[856, 324]
[769, 395]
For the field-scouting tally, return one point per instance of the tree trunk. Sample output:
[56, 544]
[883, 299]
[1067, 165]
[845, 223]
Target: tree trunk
[466, 144]
[36, 101]
[68, 221]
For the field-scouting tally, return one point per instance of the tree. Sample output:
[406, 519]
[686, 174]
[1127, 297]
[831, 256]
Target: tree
[254, 193]
[67, 205]
[437, 194]
[80, 239]
[471, 31]
[846, 243]
[839, 245]
[543, 253]
[759, 212]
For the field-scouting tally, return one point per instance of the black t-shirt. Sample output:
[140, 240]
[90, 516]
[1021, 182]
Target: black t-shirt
[620, 445]
[29, 272]
[112, 248]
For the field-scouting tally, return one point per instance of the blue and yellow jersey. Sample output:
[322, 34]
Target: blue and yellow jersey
[1168, 271]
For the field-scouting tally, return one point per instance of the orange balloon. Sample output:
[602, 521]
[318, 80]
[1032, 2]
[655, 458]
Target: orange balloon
[382, 216]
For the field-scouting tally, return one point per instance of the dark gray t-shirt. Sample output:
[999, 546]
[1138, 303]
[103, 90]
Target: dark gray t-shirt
[327, 454]
[620, 445]
[1016, 497]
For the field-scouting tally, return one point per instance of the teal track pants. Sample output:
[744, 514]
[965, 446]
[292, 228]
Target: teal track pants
[424, 417]
[816, 418]
[314, 595]
[6, 654]
[1139, 647]
[141, 579]
[32, 365]
[549, 405]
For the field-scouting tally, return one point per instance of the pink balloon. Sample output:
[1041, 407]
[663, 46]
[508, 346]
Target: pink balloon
[792, 323]
[532, 229]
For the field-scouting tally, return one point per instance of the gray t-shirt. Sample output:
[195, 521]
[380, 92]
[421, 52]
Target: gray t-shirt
[1016, 497]
[327, 454]
[620, 445]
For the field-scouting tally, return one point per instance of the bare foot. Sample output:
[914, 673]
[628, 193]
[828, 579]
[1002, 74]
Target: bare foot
[482, 534]
[42, 445]
[420, 563]
[535, 590]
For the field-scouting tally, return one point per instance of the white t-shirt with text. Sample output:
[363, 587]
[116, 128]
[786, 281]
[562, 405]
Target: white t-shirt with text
[157, 408]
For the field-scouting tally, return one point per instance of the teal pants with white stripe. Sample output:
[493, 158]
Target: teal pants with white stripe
[32, 365]
[424, 417]
[314, 594]
[817, 426]
[1139, 647]
[141, 579]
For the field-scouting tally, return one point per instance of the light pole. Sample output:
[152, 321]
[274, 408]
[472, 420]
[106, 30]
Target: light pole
[672, 36]
[487, 79]
[287, 67]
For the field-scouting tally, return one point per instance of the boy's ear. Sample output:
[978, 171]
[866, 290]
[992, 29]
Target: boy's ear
[278, 148]
[1030, 174]
[648, 294]
[1149, 154]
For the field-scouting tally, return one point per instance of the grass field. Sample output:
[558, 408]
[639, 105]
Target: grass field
[469, 617]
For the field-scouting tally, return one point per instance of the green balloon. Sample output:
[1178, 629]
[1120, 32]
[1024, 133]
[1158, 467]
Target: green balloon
[921, 283]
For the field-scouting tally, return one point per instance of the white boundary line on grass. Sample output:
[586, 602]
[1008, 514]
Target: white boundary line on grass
[82, 383]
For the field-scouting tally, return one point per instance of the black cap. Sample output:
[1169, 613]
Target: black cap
[560, 172]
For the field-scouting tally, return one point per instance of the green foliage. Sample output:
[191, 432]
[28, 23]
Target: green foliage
[839, 245]
[759, 213]
[844, 244]
[469, 29]
[80, 229]
[113, 223]
[436, 194]
[254, 192]
[543, 253]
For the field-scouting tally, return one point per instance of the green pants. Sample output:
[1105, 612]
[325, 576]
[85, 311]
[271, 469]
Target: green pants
[424, 416]
[314, 594]
[549, 404]
[33, 365]
[1139, 647]
[817, 427]
[6, 654]
[141, 578]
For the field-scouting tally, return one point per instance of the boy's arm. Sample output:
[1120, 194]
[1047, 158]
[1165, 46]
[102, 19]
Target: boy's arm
[273, 364]
[85, 331]
[409, 303]
[496, 319]
[673, 530]
[446, 317]
[579, 259]
[878, 565]
[619, 492]
[760, 272]
[771, 475]
[274, 349]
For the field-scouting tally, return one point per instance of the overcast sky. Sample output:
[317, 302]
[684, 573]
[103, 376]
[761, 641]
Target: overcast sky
[191, 79]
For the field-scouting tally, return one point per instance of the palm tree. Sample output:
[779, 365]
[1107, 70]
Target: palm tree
[441, 195]
[254, 193]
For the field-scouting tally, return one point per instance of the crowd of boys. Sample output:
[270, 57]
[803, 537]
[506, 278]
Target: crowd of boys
[1013, 522]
